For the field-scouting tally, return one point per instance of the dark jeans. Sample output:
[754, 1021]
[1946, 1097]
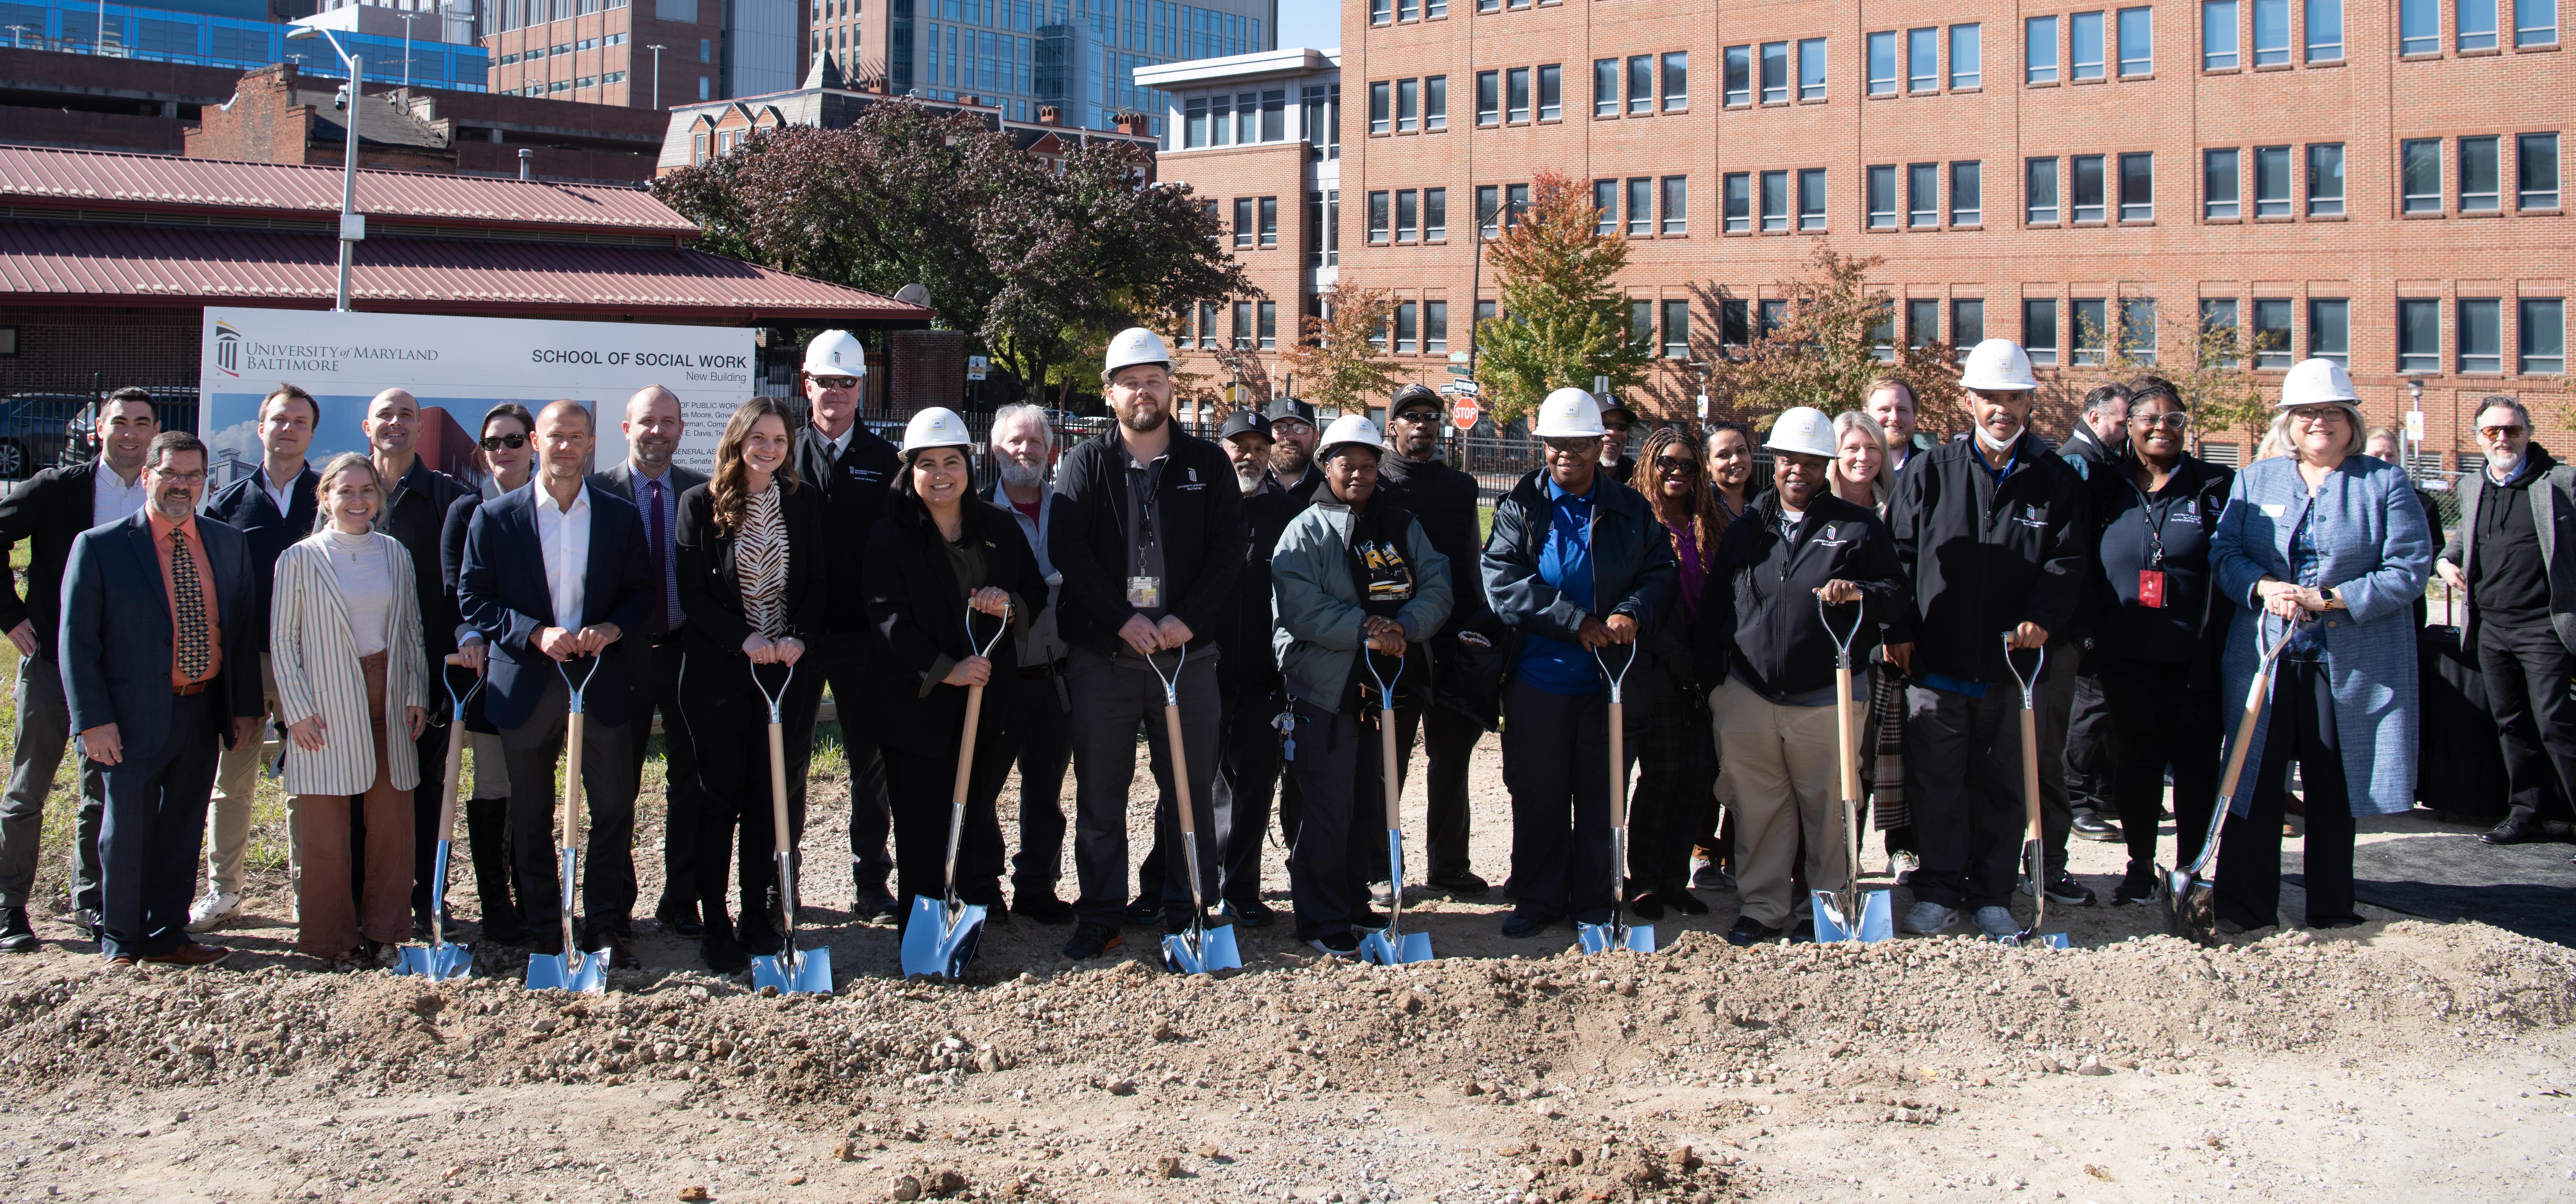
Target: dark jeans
[1111, 699]
[839, 658]
[1341, 828]
[727, 732]
[1043, 725]
[607, 811]
[1450, 743]
[923, 789]
[2528, 673]
[653, 683]
[1247, 774]
[1676, 768]
[1963, 777]
[2302, 725]
[1556, 764]
[155, 822]
[2159, 720]
[2091, 760]
[44, 729]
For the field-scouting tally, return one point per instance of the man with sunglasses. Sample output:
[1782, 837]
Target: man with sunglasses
[2514, 511]
[1454, 711]
[1619, 421]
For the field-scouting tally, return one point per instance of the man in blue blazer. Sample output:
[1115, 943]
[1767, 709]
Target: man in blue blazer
[156, 702]
[554, 577]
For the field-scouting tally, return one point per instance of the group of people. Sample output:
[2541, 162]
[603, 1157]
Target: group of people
[1291, 588]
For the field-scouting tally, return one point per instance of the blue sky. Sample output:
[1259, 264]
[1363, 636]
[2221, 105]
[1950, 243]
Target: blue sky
[1316, 23]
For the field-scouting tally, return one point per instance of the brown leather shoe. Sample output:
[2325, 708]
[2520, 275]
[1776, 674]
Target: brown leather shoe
[191, 954]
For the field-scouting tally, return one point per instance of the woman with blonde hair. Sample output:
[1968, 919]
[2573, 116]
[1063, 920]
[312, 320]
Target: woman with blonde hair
[1860, 473]
[1677, 758]
[344, 636]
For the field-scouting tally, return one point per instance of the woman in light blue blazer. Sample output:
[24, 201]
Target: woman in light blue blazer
[2335, 541]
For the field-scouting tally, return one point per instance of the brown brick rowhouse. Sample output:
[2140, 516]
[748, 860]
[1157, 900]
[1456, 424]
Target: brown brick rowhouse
[2377, 181]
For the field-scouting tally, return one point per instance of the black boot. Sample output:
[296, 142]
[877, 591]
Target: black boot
[487, 828]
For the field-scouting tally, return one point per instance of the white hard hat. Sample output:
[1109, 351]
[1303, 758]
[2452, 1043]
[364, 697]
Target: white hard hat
[1349, 428]
[1570, 413]
[1135, 345]
[1803, 429]
[835, 353]
[1998, 365]
[2316, 383]
[937, 426]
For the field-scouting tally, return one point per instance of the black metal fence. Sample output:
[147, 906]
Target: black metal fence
[41, 428]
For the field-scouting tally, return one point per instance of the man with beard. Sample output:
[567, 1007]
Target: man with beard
[1150, 542]
[648, 478]
[1620, 421]
[1023, 447]
[1292, 448]
[1247, 679]
[1891, 403]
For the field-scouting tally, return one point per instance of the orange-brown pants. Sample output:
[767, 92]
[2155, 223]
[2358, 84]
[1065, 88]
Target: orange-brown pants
[331, 922]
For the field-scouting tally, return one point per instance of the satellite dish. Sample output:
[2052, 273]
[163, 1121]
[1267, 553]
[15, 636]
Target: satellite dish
[913, 294]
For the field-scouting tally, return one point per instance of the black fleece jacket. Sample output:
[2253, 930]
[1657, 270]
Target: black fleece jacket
[1758, 618]
[1984, 558]
[1198, 510]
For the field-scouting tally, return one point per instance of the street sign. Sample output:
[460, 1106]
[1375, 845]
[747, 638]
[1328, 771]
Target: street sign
[2415, 425]
[975, 365]
[1463, 413]
[1461, 370]
[1461, 388]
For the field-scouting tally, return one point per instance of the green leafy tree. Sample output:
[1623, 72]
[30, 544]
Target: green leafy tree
[1561, 322]
[1341, 363]
[2210, 363]
[1834, 335]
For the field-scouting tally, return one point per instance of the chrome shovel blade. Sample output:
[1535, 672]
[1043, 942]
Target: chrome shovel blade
[2049, 940]
[1877, 918]
[577, 970]
[795, 972]
[939, 942]
[437, 963]
[1202, 951]
[1601, 938]
[1384, 947]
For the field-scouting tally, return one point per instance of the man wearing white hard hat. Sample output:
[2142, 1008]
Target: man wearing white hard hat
[1150, 540]
[946, 570]
[854, 468]
[1990, 529]
[1576, 565]
[1761, 628]
[1354, 577]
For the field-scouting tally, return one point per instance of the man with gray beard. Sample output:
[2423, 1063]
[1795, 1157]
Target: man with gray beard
[1023, 449]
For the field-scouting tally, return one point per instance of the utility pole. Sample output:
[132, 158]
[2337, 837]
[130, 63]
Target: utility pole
[657, 76]
[407, 19]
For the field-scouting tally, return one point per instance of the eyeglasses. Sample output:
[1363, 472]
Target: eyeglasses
[2500, 432]
[835, 382]
[180, 478]
[1677, 466]
[2176, 422]
[2318, 415]
[1573, 447]
[497, 442]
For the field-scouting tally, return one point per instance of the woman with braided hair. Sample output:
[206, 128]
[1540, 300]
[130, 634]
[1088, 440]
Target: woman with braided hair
[1677, 760]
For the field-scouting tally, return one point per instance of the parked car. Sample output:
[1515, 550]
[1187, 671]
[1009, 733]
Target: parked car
[35, 431]
[175, 408]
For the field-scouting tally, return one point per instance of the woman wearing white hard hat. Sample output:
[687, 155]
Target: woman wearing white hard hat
[946, 571]
[749, 554]
[1800, 559]
[1353, 577]
[2336, 542]
[1576, 565]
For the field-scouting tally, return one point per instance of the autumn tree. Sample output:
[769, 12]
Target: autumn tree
[1339, 362]
[2211, 363]
[1833, 335]
[1561, 321]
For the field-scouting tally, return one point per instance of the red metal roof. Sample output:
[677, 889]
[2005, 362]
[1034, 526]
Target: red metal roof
[95, 180]
[85, 263]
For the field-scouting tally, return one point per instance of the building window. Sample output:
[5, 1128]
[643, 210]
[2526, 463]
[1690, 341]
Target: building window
[1922, 60]
[1739, 202]
[1811, 199]
[1435, 215]
[1551, 92]
[2138, 329]
[2219, 317]
[1677, 330]
[2481, 176]
[2325, 179]
[1517, 95]
[2271, 332]
[1489, 210]
[1734, 324]
[2088, 187]
[2218, 184]
[1243, 326]
[1269, 325]
[1882, 64]
[1270, 221]
[1515, 203]
[2039, 50]
[2536, 170]
[1769, 315]
[2481, 325]
[1967, 323]
[1489, 96]
[1381, 12]
[1739, 76]
[1435, 103]
[1967, 193]
[2039, 330]
[1641, 324]
[1435, 327]
[1207, 325]
[1243, 222]
[2138, 187]
[2535, 23]
[2420, 171]
[1676, 205]
[1378, 107]
[2272, 32]
[1408, 100]
[1882, 333]
[2419, 335]
[1775, 200]
[1677, 80]
[2419, 27]
[1605, 87]
[2084, 32]
[1314, 229]
[1966, 56]
[1408, 214]
[1922, 323]
[1811, 69]
[2039, 190]
[1922, 195]
[1775, 74]
[1405, 329]
[2218, 35]
[2475, 22]
[2137, 42]
[1605, 207]
[2330, 330]
[1485, 312]
[1641, 207]
[1408, 10]
[1377, 219]
[2543, 328]
[2271, 181]
[1881, 197]
[2325, 31]
[2091, 327]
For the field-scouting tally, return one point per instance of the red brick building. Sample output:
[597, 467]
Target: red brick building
[2372, 180]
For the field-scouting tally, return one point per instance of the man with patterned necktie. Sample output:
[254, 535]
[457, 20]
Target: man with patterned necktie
[155, 704]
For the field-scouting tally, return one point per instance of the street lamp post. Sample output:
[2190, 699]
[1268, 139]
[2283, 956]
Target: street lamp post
[407, 19]
[657, 76]
[353, 225]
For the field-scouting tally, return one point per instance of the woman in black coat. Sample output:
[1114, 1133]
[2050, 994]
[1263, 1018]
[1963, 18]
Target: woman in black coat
[507, 454]
[750, 570]
[939, 551]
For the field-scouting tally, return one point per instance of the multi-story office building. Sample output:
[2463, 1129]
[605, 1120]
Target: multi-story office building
[435, 48]
[644, 54]
[1078, 55]
[2373, 181]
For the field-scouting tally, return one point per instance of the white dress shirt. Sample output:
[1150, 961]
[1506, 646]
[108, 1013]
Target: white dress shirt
[564, 535]
[283, 495]
[112, 497]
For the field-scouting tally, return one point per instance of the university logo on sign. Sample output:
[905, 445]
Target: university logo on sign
[228, 343]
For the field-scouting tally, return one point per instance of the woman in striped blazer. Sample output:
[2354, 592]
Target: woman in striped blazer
[750, 574]
[344, 636]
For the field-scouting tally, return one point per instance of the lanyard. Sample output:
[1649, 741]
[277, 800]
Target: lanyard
[2154, 523]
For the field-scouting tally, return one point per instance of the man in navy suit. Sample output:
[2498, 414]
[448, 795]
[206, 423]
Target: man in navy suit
[156, 702]
[272, 508]
[554, 577]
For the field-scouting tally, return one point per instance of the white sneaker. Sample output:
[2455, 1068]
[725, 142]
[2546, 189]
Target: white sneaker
[1929, 919]
[213, 910]
[1997, 922]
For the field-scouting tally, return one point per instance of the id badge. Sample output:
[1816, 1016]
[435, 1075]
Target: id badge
[2151, 589]
[1145, 593]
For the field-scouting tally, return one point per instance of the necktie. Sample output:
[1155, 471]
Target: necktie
[658, 537]
[190, 607]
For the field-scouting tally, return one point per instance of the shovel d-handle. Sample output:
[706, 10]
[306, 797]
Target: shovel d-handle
[453, 779]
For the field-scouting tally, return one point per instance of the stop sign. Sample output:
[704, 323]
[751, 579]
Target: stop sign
[1462, 413]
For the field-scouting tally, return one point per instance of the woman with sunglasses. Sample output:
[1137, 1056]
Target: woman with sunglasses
[506, 456]
[2162, 626]
[2335, 541]
[1677, 760]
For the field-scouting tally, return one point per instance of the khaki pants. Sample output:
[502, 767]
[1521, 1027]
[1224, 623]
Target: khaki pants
[1779, 775]
[329, 922]
[236, 778]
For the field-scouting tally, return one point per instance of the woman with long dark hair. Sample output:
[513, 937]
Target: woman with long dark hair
[1677, 760]
[1730, 491]
[505, 453]
[750, 568]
